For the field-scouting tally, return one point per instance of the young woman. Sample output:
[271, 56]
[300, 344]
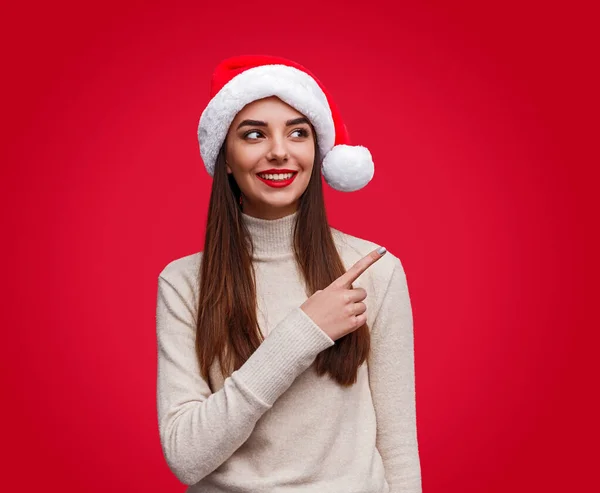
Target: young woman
[285, 347]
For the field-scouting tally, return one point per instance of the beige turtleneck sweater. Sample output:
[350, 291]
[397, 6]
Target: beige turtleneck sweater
[274, 425]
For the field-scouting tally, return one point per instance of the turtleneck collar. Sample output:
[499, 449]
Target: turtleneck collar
[271, 237]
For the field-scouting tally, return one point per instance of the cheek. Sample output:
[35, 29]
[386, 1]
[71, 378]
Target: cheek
[244, 158]
[305, 155]
[308, 159]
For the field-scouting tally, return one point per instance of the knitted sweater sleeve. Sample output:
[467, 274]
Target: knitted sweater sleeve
[392, 381]
[199, 430]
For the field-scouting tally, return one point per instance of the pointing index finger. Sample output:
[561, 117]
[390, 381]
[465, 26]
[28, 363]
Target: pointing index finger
[346, 279]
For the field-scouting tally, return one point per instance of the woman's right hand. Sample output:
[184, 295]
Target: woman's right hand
[338, 309]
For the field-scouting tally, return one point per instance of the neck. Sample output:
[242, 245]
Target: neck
[265, 211]
[271, 237]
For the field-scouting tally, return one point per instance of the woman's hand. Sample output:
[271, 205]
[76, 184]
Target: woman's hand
[338, 309]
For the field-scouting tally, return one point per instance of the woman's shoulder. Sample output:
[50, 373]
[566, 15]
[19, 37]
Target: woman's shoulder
[353, 248]
[182, 271]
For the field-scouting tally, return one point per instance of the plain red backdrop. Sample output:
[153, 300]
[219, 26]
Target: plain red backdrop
[478, 118]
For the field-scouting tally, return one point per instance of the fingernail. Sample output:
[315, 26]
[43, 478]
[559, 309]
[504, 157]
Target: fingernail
[381, 250]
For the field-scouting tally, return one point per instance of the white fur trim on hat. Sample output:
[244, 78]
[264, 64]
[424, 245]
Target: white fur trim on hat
[348, 168]
[293, 86]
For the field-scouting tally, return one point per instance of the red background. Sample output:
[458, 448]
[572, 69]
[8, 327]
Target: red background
[482, 122]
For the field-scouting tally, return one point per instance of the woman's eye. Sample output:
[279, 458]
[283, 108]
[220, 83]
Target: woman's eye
[252, 132]
[303, 132]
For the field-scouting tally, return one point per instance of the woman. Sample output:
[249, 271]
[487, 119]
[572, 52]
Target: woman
[285, 347]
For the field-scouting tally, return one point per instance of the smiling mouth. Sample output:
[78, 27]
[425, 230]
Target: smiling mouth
[276, 176]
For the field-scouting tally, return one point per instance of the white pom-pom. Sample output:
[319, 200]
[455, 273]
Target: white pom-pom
[348, 168]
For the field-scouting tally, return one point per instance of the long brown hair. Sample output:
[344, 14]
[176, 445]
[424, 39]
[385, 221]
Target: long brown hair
[227, 325]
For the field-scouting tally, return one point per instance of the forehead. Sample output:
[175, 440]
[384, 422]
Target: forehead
[267, 109]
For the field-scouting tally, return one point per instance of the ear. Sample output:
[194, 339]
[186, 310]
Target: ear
[228, 168]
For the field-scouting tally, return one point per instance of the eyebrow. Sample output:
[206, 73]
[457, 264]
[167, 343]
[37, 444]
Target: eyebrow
[258, 123]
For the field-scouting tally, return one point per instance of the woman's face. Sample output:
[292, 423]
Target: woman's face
[270, 136]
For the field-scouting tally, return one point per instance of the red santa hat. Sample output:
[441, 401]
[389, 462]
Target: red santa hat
[239, 80]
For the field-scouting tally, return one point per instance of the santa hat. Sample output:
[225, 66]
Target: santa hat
[239, 80]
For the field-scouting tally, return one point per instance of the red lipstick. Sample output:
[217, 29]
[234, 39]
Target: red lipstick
[278, 183]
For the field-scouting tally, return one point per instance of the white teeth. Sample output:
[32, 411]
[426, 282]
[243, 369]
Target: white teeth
[276, 177]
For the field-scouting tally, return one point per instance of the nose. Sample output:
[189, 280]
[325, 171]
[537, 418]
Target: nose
[278, 150]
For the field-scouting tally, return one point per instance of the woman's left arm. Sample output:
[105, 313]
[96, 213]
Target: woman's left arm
[392, 381]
